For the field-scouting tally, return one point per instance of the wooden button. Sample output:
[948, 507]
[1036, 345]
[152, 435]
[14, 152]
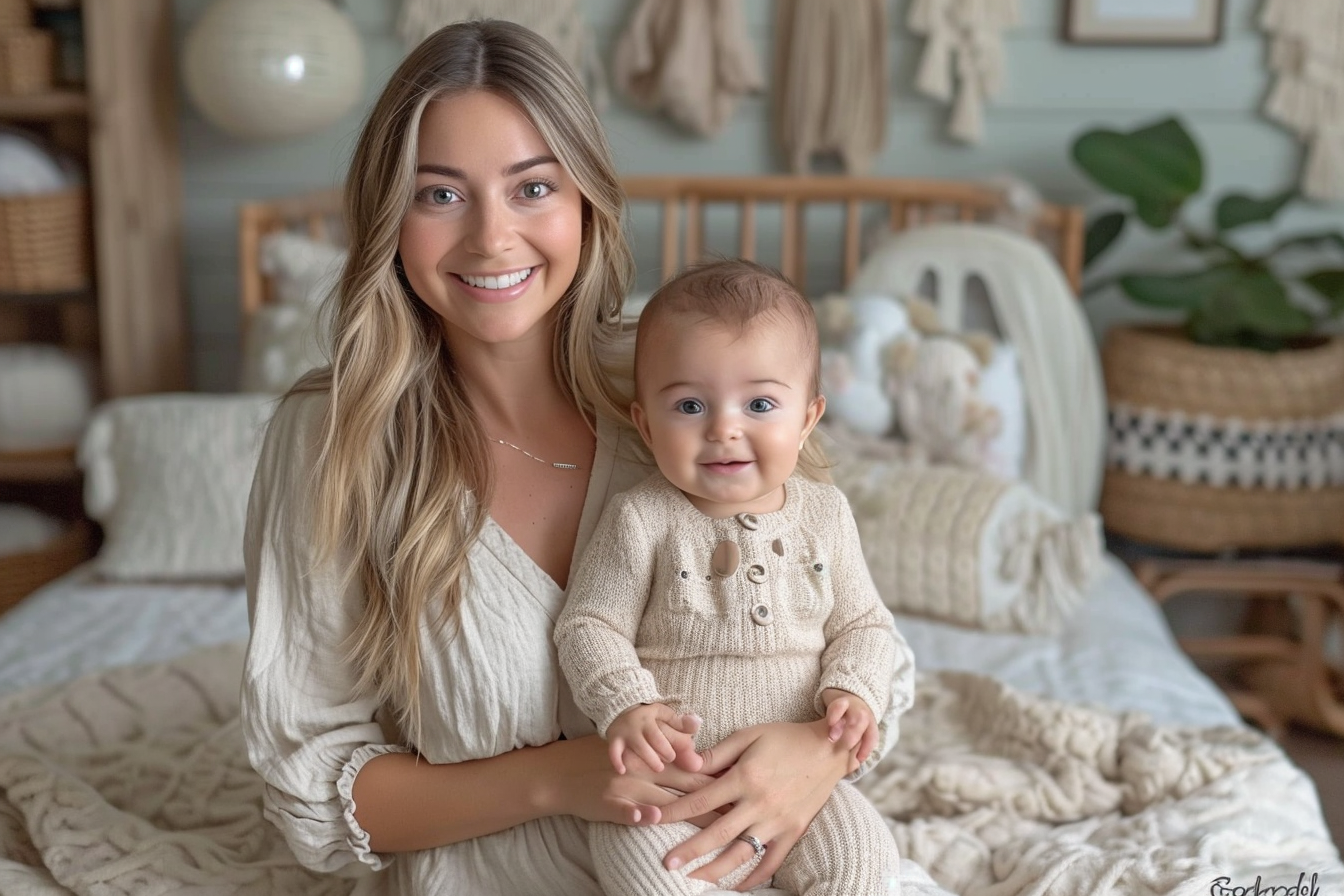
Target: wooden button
[725, 559]
[761, 615]
[756, 573]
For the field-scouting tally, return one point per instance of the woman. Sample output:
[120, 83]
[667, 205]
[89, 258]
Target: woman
[419, 504]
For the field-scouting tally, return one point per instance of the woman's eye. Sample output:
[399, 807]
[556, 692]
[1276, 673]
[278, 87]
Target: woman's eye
[536, 190]
[690, 406]
[760, 405]
[440, 195]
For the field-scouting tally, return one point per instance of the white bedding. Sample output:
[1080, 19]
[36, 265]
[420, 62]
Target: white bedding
[1116, 651]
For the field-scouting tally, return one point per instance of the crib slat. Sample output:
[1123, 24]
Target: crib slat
[853, 211]
[746, 232]
[671, 207]
[694, 230]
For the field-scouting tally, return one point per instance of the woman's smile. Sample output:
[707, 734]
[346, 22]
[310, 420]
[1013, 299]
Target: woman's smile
[492, 288]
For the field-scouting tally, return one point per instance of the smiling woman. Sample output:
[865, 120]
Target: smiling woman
[406, 564]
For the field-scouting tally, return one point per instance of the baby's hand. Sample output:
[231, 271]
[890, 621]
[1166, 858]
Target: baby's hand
[655, 733]
[851, 723]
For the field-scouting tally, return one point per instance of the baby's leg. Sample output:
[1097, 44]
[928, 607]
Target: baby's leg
[847, 850]
[629, 861]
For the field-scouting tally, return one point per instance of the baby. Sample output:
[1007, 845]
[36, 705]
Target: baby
[727, 585]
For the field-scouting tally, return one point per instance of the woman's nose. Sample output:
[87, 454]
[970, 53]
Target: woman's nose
[491, 230]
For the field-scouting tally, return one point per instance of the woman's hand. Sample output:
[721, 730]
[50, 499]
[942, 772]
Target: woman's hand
[777, 777]
[585, 784]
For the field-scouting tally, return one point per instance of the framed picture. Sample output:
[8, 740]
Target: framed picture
[1151, 23]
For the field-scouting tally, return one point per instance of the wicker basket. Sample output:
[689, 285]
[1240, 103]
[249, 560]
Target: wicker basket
[27, 61]
[22, 574]
[1158, 369]
[44, 241]
[15, 14]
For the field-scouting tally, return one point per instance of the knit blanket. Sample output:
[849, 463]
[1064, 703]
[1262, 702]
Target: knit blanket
[135, 781]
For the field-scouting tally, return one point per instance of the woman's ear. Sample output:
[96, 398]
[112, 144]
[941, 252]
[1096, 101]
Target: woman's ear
[641, 422]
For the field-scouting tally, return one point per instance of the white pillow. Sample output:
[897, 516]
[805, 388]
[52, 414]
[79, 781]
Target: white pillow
[168, 477]
[46, 395]
[1001, 389]
[303, 270]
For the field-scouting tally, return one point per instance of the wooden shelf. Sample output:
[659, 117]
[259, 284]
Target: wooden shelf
[45, 106]
[38, 466]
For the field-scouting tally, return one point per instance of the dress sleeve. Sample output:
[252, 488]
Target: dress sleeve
[595, 634]
[864, 655]
[307, 731]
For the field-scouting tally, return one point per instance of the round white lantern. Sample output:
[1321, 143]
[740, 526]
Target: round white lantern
[273, 68]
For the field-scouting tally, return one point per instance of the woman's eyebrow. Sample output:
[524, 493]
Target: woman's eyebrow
[515, 168]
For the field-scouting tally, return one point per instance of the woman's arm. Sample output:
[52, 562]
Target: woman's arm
[777, 777]
[405, 803]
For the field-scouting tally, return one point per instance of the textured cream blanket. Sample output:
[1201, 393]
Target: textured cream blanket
[135, 782]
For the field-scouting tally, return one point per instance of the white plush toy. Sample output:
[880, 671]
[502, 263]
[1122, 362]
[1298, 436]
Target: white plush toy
[855, 333]
[934, 382]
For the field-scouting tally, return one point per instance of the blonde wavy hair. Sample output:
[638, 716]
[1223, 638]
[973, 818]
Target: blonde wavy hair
[403, 480]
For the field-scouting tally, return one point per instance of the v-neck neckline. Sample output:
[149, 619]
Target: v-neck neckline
[595, 498]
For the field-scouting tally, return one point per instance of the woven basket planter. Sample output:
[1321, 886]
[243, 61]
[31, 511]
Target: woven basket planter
[27, 61]
[1216, 448]
[44, 241]
[15, 14]
[22, 574]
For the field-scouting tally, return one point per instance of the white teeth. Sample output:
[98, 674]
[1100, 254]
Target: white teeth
[497, 282]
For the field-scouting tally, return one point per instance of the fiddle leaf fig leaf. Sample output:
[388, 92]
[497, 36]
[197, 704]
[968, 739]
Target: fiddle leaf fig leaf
[1101, 233]
[1185, 292]
[1329, 285]
[1238, 209]
[1158, 166]
[1321, 240]
[1264, 307]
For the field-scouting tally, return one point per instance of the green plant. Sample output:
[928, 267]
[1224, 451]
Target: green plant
[1233, 296]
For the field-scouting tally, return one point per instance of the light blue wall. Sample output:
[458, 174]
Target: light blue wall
[1054, 91]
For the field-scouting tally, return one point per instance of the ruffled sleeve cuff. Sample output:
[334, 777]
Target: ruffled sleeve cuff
[356, 837]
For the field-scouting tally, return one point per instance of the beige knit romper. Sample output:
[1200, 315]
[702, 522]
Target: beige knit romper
[648, 619]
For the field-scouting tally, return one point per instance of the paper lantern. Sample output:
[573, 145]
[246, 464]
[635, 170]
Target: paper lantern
[273, 68]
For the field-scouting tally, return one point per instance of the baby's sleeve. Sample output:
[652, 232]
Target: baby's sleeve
[308, 731]
[595, 635]
[865, 654]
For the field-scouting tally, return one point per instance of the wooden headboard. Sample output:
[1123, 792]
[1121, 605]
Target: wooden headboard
[766, 209]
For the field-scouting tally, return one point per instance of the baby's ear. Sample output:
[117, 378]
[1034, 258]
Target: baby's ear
[641, 421]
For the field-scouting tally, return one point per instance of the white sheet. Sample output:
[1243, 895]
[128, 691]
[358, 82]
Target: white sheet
[1116, 651]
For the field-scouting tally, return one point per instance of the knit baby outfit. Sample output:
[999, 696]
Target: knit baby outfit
[650, 619]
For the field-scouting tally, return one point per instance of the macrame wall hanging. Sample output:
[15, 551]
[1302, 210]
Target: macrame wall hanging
[965, 44]
[559, 21]
[691, 59]
[1307, 58]
[831, 80]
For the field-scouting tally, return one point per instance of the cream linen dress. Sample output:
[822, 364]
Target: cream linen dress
[495, 687]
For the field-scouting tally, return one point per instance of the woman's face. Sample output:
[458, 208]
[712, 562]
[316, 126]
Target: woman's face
[492, 239]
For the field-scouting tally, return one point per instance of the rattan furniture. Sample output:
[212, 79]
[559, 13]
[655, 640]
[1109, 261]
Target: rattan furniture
[1281, 668]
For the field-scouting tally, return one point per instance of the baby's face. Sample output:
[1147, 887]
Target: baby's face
[724, 413]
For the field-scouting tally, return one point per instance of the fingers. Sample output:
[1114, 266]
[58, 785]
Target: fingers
[835, 711]
[718, 835]
[775, 852]
[616, 752]
[723, 754]
[867, 744]
[718, 792]
[734, 855]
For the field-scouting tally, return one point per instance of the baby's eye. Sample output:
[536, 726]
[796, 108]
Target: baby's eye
[760, 405]
[690, 406]
[536, 189]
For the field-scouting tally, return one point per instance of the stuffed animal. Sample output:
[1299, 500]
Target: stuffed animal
[934, 384]
[888, 368]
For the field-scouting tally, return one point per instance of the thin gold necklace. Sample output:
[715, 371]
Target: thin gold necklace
[556, 464]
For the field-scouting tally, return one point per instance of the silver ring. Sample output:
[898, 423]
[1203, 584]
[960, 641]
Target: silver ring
[754, 844]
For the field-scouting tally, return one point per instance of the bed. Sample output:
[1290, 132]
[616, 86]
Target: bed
[1094, 758]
